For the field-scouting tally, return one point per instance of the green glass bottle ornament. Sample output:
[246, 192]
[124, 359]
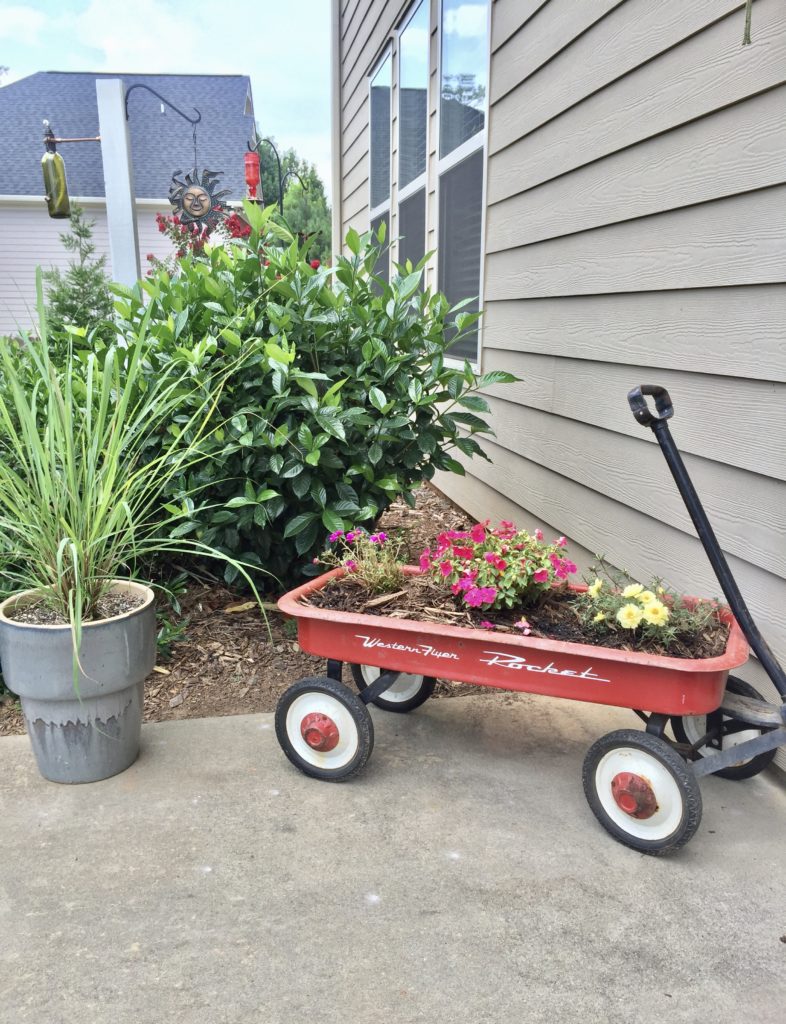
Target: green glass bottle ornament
[55, 185]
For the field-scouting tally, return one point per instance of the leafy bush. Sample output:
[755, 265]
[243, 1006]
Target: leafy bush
[344, 400]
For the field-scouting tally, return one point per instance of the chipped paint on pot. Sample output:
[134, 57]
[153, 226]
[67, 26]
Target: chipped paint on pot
[94, 734]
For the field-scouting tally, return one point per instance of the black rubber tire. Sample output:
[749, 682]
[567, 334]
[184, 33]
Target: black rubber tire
[681, 773]
[400, 707]
[358, 713]
[736, 772]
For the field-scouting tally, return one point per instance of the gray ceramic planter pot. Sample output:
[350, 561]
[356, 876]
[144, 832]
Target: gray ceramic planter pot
[96, 734]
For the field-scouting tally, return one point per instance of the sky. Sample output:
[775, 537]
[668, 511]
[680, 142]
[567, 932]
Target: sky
[282, 45]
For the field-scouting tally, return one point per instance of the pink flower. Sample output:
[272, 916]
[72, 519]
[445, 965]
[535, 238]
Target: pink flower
[488, 594]
[462, 552]
[351, 536]
[334, 536]
[478, 533]
[561, 542]
[541, 576]
[486, 624]
[350, 565]
[570, 566]
[524, 626]
[446, 568]
[425, 560]
[378, 538]
[473, 597]
[538, 535]
[490, 557]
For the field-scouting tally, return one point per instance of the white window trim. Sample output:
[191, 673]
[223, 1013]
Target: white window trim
[445, 163]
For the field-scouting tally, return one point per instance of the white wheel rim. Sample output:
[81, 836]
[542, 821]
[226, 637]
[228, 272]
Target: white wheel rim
[695, 727]
[668, 794]
[315, 702]
[405, 687]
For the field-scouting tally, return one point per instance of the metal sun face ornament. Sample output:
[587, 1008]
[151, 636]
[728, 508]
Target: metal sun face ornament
[196, 200]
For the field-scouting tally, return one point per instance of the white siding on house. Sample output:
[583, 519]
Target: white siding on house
[30, 238]
[634, 234]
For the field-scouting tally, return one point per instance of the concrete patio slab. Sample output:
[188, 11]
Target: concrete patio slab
[461, 878]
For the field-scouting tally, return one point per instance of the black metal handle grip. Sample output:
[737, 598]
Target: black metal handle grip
[640, 408]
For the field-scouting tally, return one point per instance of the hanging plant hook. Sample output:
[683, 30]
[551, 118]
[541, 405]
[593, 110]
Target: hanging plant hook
[282, 178]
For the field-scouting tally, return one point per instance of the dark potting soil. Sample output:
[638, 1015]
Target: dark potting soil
[39, 613]
[419, 597]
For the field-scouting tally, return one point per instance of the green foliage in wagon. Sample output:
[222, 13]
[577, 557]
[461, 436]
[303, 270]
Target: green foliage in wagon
[345, 399]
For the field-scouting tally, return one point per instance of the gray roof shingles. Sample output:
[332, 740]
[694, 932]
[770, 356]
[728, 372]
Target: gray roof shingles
[160, 143]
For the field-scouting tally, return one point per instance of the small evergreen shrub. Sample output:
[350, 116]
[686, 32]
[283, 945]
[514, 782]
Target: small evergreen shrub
[80, 297]
[345, 399]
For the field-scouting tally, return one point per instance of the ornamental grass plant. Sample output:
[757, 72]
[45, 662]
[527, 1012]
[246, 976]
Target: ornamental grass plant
[80, 493]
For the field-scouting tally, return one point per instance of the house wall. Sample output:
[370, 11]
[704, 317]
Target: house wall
[30, 238]
[634, 233]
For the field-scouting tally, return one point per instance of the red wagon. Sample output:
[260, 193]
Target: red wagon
[642, 786]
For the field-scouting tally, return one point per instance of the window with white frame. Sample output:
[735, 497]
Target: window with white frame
[413, 78]
[464, 56]
[379, 157]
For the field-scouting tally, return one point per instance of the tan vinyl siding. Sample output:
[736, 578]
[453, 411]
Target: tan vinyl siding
[634, 233]
[30, 239]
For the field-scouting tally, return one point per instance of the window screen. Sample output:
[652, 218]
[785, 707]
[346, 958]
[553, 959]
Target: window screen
[460, 219]
[412, 228]
[380, 134]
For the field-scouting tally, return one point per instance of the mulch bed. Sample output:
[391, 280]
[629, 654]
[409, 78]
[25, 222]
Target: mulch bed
[233, 663]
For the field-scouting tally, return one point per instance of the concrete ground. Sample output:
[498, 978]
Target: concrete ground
[461, 878]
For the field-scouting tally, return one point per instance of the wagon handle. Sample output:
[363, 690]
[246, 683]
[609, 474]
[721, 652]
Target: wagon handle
[640, 408]
[660, 428]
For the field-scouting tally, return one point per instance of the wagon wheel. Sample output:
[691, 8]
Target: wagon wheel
[642, 791]
[691, 728]
[324, 729]
[407, 693]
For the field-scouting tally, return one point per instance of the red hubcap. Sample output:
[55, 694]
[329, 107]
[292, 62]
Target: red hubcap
[320, 732]
[634, 795]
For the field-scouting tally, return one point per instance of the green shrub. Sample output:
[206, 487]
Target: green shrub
[344, 400]
[80, 296]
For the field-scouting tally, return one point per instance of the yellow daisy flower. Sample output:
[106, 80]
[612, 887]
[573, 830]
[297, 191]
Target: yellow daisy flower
[633, 590]
[630, 616]
[646, 597]
[657, 614]
[599, 617]
[595, 589]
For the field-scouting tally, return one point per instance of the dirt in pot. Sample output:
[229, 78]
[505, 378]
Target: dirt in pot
[39, 613]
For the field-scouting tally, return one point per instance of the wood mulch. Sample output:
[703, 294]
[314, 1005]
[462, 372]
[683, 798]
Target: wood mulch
[230, 662]
[423, 599]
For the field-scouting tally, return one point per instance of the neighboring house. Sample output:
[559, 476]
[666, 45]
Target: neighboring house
[610, 178]
[161, 143]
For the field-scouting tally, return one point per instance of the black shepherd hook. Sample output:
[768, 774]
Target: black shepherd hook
[191, 120]
[281, 178]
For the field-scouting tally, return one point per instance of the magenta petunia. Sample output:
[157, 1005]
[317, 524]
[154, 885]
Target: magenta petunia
[541, 576]
[446, 568]
[478, 533]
